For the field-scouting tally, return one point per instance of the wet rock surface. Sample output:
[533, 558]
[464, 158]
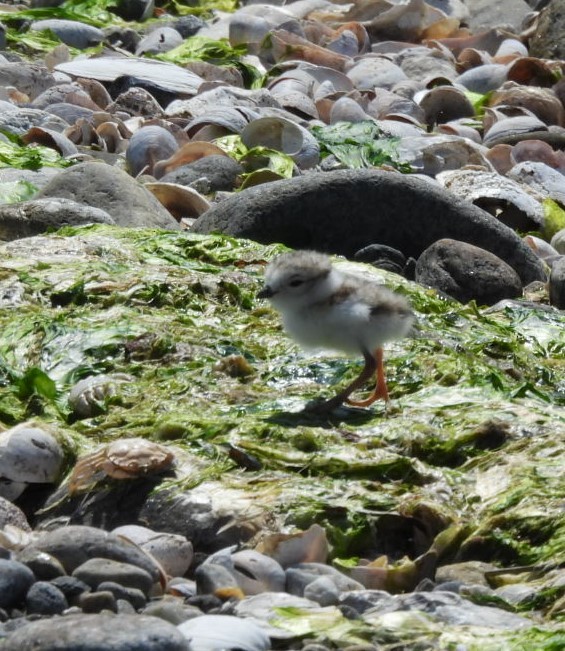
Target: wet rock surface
[171, 491]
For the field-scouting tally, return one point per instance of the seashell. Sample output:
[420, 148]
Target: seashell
[110, 136]
[88, 396]
[470, 58]
[346, 109]
[509, 49]
[513, 129]
[51, 139]
[180, 200]
[282, 45]
[443, 104]
[124, 459]
[71, 93]
[147, 147]
[96, 91]
[71, 32]
[28, 455]
[484, 78]
[173, 552]
[460, 128]
[226, 119]
[136, 101]
[375, 72]
[541, 248]
[69, 112]
[488, 41]
[433, 154]
[501, 158]
[500, 196]
[540, 151]
[160, 39]
[14, 538]
[533, 72]
[82, 132]
[339, 81]
[310, 546]
[283, 135]
[542, 178]
[246, 29]
[188, 153]
[541, 102]
[386, 103]
[165, 76]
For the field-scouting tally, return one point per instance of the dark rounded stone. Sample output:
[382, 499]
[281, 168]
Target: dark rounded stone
[98, 570]
[96, 602]
[557, 284]
[15, 580]
[133, 595]
[45, 599]
[466, 272]
[346, 210]
[44, 566]
[71, 587]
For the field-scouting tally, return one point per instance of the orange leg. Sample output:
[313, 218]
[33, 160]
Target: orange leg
[381, 390]
[371, 366]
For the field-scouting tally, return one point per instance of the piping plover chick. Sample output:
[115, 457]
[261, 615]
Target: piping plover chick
[323, 307]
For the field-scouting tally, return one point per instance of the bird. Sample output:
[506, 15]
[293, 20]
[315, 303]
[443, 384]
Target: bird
[323, 307]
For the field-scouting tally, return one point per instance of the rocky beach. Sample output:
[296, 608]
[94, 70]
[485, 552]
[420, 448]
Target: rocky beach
[163, 484]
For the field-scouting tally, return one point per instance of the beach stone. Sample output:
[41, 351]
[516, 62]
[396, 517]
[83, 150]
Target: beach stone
[301, 575]
[98, 601]
[110, 189]
[558, 241]
[45, 599]
[75, 544]
[557, 284]
[11, 514]
[210, 578]
[382, 257]
[468, 573]
[344, 211]
[15, 580]
[29, 78]
[36, 216]
[547, 41]
[95, 632]
[172, 610]
[362, 600]
[44, 566]
[323, 590]
[134, 596]
[97, 570]
[466, 272]
[71, 587]
[221, 172]
[173, 552]
[22, 120]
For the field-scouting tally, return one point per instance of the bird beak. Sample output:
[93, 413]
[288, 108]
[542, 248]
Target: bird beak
[266, 292]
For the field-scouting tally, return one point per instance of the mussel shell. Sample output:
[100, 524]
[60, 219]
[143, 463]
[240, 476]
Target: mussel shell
[51, 139]
[71, 32]
[512, 130]
[283, 135]
[148, 146]
[180, 200]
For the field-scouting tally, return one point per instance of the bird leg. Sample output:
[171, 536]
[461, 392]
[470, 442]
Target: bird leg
[371, 365]
[381, 390]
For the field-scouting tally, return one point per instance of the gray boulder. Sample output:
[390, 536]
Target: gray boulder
[346, 210]
[96, 632]
[220, 171]
[36, 216]
[467, 272]
[113, 190]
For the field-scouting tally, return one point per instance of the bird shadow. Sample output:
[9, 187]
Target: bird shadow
[312, 418]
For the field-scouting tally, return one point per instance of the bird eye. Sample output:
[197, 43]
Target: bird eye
[296, 283]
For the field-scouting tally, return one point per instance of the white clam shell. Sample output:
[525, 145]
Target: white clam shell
[29, 454]
[285, 136]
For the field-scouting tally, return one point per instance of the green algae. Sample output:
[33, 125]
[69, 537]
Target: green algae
[466, 461]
